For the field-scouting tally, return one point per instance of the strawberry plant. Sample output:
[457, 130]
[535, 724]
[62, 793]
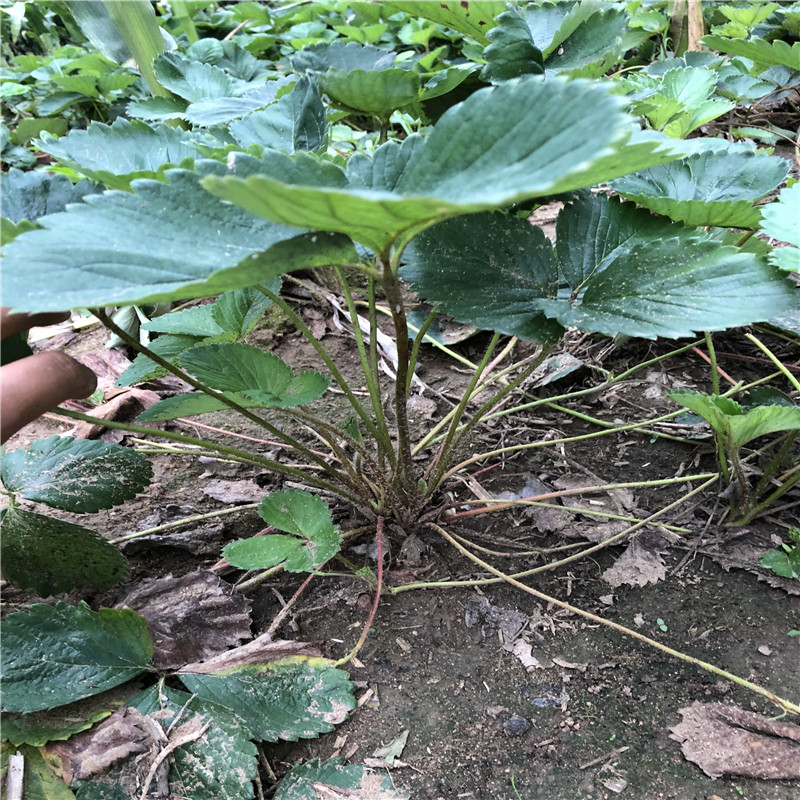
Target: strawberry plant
[230, 180]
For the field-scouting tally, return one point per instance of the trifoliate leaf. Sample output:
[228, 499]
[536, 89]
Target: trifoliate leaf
[163, 241]
[715, 188]
[52, 555]
[76, 475]
[292, 698]
[54, 655]
[314, 540]
[616, 269]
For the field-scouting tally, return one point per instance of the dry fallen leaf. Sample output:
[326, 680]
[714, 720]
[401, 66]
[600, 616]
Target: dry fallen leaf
[190, 618]
[637, 566]
[234, 491]
[94, 752]
[726, 740]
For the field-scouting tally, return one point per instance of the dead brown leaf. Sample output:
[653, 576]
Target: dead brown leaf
[234, 491]
[260, 651]
[190, 618]
[94, 752]
[726, 740]
[639, 565]
[124, 406]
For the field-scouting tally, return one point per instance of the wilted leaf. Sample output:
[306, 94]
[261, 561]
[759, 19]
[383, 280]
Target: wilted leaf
[76, 475]
[639, 565]
[726, 740]
[61, 723]
[52, 555]
[54, 655]
[124, 734]
[190, 618]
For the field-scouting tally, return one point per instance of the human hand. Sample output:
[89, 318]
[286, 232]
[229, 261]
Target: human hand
[31, 386]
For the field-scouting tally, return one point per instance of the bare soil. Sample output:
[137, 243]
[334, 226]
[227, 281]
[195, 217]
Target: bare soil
[591, 719]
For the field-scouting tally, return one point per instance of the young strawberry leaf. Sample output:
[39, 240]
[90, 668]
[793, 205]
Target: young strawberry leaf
[222, 763]
[94, 254]
[617, 269]
[763, 53]
[54, 655]
[716, 188]
[474, 19]
[335, 777]
[291, 698]
[52, 555]
[257, 374]
[314, 538]
[191, 404]
[117, 154]
[735, 425]
[80, 475]
[238, 311]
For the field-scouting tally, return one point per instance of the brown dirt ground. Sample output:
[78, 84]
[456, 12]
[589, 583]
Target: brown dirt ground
[453, 687]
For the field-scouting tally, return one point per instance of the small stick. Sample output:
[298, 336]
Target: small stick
[600, 759]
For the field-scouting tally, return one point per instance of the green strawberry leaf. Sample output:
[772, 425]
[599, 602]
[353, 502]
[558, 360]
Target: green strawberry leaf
[314, 538]
[95, 254]
[716, 188]
[52, 555]
[615, 270]
[291, 698]
[54, 655]
[308, 780]
[76, 475]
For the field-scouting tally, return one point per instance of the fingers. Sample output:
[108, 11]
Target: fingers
[14, 323]
[36, 384]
